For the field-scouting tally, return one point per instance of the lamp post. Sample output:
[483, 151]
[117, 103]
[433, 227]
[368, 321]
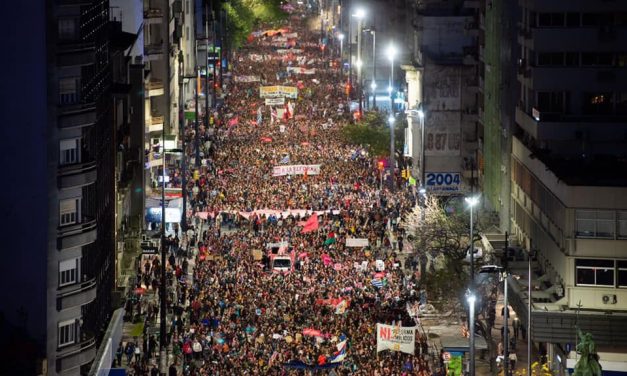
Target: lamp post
[340, 36]
[503, 276]
[391, 52]
[471, 333]
[391, 121]
[359, 14]
[373, 84]
[472, 202]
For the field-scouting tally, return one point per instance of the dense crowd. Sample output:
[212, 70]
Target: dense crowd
[238, 316]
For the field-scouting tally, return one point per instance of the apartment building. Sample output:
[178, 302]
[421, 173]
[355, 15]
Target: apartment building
[442, 96]
[68, 260]
[560, 71]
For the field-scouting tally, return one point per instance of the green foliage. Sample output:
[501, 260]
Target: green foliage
[244, 15]
[373, 131]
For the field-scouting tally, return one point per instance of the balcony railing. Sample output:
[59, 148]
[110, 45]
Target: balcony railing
[76, 295]
[76, 115]
[78, 234]
[77, 355]
[77, 175]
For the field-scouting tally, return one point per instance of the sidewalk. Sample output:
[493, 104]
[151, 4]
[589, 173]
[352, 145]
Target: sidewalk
[133, 330]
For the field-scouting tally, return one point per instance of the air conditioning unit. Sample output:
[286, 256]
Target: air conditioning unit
[609, 299]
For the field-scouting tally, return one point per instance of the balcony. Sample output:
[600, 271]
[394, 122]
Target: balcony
[76, 295]
[153, 16]
[76, 355]
[153, 52]
[155, 124]
[154, 88]
[77, 235]
[77, 115]
[75, 54]
[77, 175]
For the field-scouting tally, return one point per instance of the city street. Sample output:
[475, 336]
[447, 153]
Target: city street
[296, 265]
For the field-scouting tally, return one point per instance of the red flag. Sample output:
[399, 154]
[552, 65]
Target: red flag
[233, 121]
[311, 224]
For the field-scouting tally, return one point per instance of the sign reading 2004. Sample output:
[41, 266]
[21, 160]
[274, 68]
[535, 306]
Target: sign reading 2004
[443, 181]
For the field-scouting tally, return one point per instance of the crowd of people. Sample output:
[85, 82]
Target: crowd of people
[239, 316]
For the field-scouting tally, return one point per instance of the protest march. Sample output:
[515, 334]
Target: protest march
[298, 267]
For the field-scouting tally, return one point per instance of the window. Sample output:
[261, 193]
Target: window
[550, 59]
[595, 224]
[67, 332]
[622, 224]
[68, 153]
[68, 212]
[67, 29]
[597, 103]
[594, 272]
[187, 33]
[573, 19]
[571, 59]
[551, 20]
[597, 19]
[551, 101]
[68, 90]
[622, 273]
[68, 272]
[604, 59]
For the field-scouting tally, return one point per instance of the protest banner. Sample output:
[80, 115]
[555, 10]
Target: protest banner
[296, 170]
[301, 70]
[247, 78]
[275, 101]
[278, 91]
[396, 338]
[357, 242]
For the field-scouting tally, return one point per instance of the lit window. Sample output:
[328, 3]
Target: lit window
[67, 332]
[68, 152]
[68, 212]
[68, 272]
[68, 90]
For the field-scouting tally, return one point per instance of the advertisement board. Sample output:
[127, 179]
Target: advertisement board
[443, 182]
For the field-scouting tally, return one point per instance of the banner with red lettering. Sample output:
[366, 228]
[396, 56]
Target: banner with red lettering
[396, 338]
[296, 170]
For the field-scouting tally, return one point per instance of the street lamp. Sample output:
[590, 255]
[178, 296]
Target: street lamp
[373, 85]
[359, 14]
[471, 332]
[472, 202]
[391, 52]
[340, 37]
[503, 275]
[391, 121]
[421, 116]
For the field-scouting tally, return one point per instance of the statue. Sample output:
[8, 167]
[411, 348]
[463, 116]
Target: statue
[588, 364]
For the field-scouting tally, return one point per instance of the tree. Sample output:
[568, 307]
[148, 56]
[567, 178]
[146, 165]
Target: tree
[373, 131]
[244, 15]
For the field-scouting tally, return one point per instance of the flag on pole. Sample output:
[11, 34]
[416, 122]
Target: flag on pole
[311, 224]
[340, 354]
[285, 159]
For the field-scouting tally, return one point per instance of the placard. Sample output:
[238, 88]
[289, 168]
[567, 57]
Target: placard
[396, 338]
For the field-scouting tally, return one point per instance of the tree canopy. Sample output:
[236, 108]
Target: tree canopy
[244, 15]
[374, 132]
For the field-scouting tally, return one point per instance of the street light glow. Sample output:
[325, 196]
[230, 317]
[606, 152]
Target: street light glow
[391, 119]
[471, 299]
[360, 13]
[472, 201]
[421, 114]
[391, 52]
[340, 36]
[373, 85]
[358, 64]
[390, 89]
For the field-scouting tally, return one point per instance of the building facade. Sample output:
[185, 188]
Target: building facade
[550, 170]
[442, 97]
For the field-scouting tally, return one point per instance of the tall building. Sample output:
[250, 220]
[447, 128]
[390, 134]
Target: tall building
[555, 139]
[63, 242]
[442, 94]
